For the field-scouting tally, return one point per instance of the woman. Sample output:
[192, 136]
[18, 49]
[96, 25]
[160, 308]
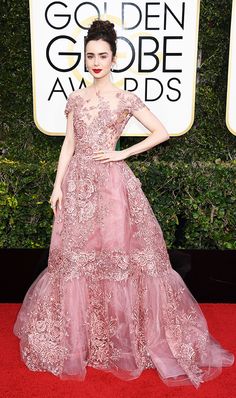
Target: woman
[109, 297]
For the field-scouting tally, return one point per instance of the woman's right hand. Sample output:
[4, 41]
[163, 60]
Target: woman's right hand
[56, 200]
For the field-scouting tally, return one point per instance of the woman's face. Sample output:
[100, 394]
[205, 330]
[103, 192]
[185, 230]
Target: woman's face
[99, 58]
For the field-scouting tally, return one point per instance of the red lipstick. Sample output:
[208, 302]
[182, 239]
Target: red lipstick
[97, 70]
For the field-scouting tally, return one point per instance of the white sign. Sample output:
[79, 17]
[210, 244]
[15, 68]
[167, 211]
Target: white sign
[157, 57]
[231, 90]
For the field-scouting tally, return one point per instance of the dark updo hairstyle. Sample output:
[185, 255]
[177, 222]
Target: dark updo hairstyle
[104, 30]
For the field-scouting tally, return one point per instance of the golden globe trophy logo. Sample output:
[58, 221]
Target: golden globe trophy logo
[231, 90]
[156, 49]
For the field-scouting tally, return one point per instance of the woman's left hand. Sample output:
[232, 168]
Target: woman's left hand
[107, 155]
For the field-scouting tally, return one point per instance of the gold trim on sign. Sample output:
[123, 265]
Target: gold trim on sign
[194, 74]
[33, 73]
[232, 30]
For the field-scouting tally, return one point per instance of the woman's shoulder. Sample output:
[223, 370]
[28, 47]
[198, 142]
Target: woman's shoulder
[77, 93]
[81, 91]
[127, 93]
[132, 99]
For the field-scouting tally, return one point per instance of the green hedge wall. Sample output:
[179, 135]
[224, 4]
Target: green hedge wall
[189, 180]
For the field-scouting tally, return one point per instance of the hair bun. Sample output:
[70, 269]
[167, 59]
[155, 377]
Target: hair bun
[101, 26]
[105, 30]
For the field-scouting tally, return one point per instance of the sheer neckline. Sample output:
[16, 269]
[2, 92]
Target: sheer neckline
[115, 90]
[102, 95]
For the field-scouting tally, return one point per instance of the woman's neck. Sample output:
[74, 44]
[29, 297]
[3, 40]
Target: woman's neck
[103, 85]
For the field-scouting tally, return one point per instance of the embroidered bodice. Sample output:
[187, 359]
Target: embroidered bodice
[98, 122]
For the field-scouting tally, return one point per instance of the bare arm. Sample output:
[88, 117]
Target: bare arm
[158, 134]
[67, 151]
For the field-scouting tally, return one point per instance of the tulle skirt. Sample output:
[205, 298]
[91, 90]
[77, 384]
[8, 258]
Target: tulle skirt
[109, 297]
[122, 327]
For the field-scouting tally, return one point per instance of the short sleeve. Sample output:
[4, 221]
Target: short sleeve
[136, 104]
[69, 104]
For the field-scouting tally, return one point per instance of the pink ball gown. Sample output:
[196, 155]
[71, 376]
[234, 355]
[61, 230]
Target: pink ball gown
[109, 297]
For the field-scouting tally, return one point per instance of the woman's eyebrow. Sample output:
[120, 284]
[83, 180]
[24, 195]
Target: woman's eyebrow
[98, 54]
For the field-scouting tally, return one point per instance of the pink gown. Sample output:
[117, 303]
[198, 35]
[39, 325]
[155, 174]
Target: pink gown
[109, 297]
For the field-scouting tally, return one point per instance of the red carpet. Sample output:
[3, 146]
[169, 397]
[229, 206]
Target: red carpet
[19, 382]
